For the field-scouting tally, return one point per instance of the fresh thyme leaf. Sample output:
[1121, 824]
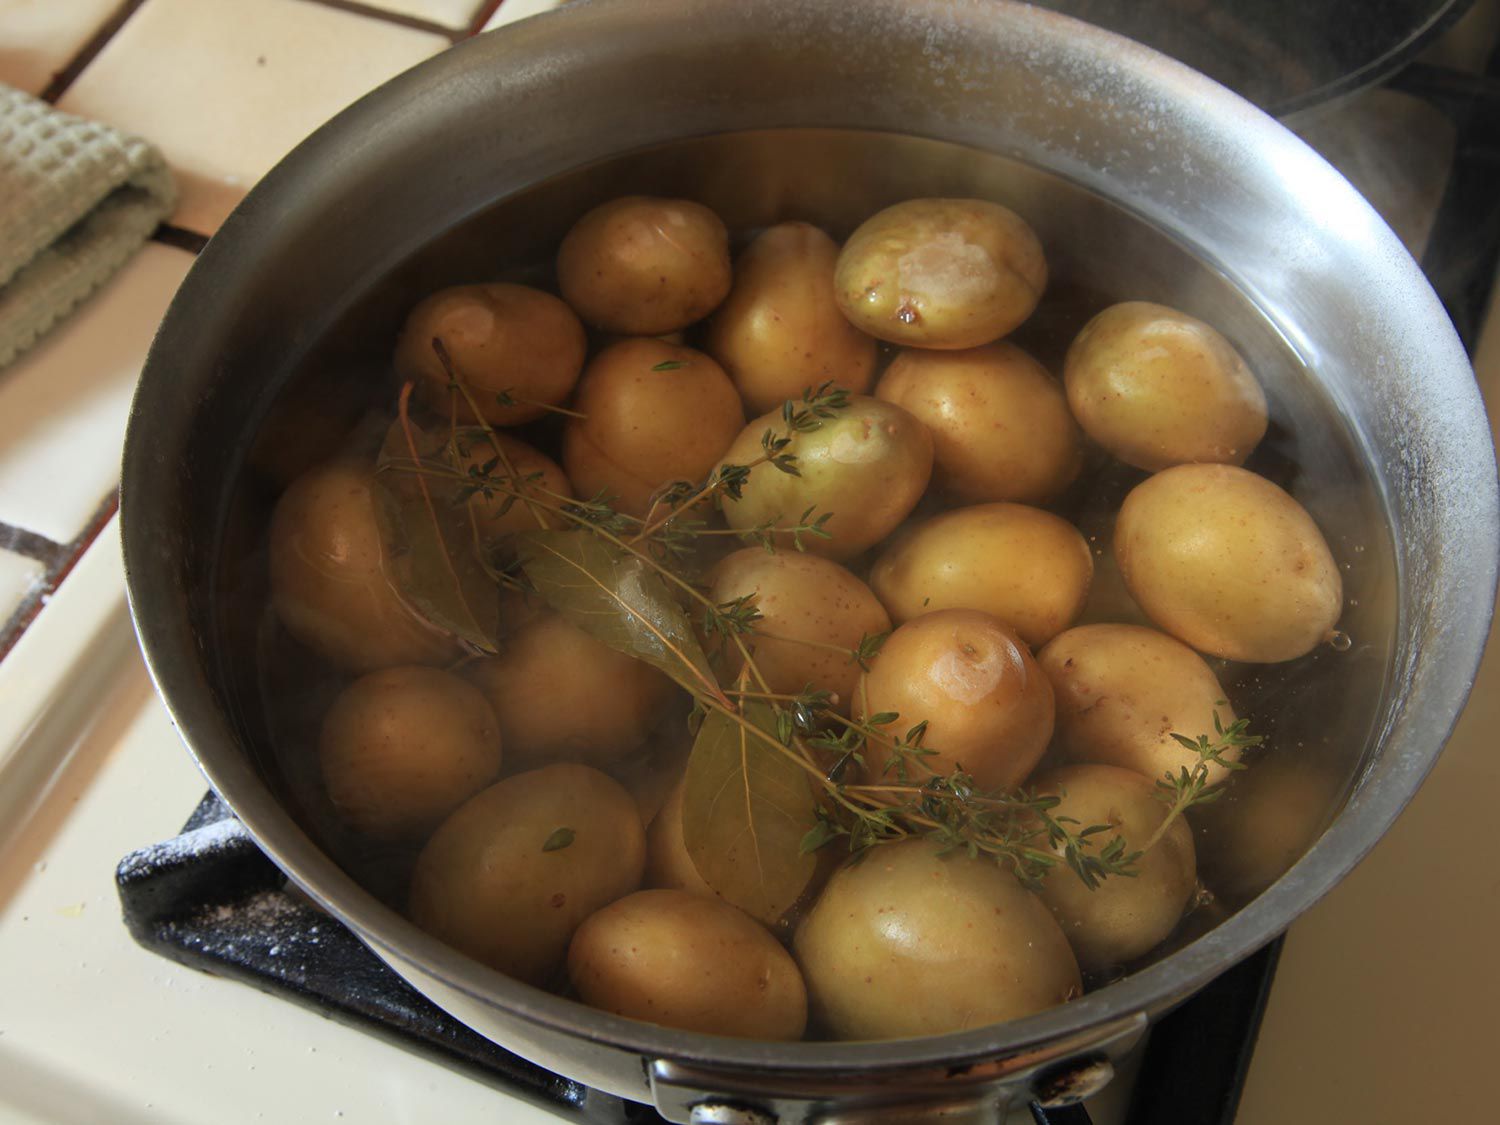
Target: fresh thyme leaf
[559, 839]
[670, 365]
[618, 598]
[746, 811]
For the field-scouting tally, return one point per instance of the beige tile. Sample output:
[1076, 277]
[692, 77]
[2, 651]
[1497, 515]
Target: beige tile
[63, 405]
[40, 37]
[457, 14]
[228, 87]
[18, 578]
[512, 10]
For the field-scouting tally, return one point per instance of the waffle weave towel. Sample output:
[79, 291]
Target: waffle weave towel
[76, 200]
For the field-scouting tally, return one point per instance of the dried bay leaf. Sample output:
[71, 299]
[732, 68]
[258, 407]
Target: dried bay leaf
[617, 598]
[432, 554]
[746, 809]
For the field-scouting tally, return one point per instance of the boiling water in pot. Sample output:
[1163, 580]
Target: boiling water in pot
[1316, 712]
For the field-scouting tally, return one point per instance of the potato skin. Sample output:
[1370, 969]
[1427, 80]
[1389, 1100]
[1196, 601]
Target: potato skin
[560, 695]
[910, 942]
[988, 706]
[485, 885]
[643, 266]
[328, 582]
[691, 962]
[1123, 690]
[490, 512]
[868, 466]
[1228, 563]
[499, 337]
[941, 273]
[402, 748]
[1028, 567]
[1157, 387]
[806, 598]
[781, 332]
[1001, 428]
[645, 428]
[668, 864]
[1123, 917]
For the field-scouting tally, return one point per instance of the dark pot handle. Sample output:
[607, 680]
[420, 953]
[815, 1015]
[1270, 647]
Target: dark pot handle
[1062, 1072]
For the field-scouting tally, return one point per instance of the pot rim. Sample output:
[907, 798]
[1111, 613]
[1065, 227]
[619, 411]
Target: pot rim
[546, 49]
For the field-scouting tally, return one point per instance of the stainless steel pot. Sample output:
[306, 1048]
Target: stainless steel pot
[1144, 178]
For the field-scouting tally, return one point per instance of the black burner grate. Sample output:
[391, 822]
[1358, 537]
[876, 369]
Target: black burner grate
[211, 900]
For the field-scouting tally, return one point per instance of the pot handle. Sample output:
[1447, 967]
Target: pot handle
[1062, 1072]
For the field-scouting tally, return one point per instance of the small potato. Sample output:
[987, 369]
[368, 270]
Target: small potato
[1028, 567]
[781, 332]
[987, 705]
[491, 512]
[1124, 690]
[402, 748]
[801, 598]
[1227, 562]
[868, 466]
[910, 942]
[941, 273]
[668, 864]
[1157, 387]
[561, 695]
[511, 874]
[686, 961]
[643, 266]
[653, 413]
[328, 580]
[1124, 917]
[502, 339]
[1000, 425]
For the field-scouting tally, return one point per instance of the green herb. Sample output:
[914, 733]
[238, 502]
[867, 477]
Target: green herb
[1189, 786]
[670, 365]
[558, 840]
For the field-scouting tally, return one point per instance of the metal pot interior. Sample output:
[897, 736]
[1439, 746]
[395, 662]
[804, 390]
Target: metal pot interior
[300, 347]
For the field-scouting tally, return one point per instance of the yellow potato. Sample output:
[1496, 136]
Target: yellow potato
[911, 942]
[865, 468]
[801, 598]
[643, 266]
[654, 413]
[402, 748]
[561, 695]
[1124, 690]
[668, 864]
[491, 513]
[987, 705]
[328, 580]
[502, 339]
[1124, 917]
[1028, 567]
[781, 332]
[941, 273]
[689, 962]
[513, 872]
[1227, 562]
[1000, 424]
[1157, 387]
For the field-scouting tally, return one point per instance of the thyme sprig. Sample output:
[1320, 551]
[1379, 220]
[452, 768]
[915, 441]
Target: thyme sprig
[1189, 786]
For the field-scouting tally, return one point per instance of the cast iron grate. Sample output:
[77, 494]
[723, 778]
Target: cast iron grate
[211, 900]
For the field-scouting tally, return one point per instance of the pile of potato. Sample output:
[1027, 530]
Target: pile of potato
[505, 770]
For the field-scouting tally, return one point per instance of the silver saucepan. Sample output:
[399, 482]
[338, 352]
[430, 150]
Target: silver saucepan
[1143, 178]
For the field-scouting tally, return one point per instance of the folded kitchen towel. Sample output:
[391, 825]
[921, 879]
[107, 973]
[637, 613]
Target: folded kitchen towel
[77, 199]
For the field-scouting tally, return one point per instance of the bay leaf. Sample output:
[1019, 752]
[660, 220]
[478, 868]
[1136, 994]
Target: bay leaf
[432, 554]
[746, 808]
[617, 598]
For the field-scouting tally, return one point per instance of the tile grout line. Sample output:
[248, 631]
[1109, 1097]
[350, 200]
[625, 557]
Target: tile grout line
[65, 77]
[414, 23]
[58, 558]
